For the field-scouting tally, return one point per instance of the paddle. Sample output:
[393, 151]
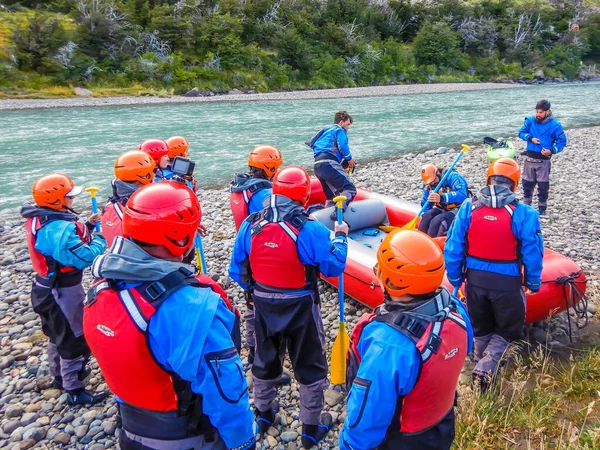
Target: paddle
[413, 223]
[92, 191]
[342, 340]
[200, 261]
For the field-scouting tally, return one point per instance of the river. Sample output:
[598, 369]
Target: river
[84, 142]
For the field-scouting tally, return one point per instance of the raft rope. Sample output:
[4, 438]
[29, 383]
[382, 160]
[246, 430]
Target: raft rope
[575, 298]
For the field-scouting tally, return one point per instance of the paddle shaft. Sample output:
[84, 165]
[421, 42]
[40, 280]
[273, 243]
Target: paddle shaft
[200, 261]
[441, 183]
[340, 219]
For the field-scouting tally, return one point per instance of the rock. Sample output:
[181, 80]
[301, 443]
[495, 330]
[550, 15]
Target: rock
[28, 418]
[272, 431]
[97, 447]
[62, 438]
[82, 92]
[27, 443]
[14, 411]
[109, 427]
[35, 433]
[10, 426]
[332, 397]
[272, 441]
[442, 150]
[289, 436]
[26, 318]
[52, 433]
[81, 431]
[195, 92]
[50, 394]
[25, 268]
[6, 361]
[15, 330]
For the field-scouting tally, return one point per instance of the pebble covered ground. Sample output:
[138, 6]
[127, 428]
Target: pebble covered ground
[34, 415]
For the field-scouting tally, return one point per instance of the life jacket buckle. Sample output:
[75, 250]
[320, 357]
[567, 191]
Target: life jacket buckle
[434, 343]
[155, 290]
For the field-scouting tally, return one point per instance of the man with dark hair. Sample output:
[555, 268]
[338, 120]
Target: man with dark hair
[545, 137]
[332, 154]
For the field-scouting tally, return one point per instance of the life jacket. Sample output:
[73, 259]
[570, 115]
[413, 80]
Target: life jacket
[46, 265]
[490, 236]
[240, 198]
[442, 343]
[112, 221]
[274, 259]
[115, 324]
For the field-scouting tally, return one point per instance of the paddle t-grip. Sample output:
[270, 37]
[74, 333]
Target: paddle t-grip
[92, 191]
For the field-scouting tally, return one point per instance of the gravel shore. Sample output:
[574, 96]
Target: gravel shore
[32, 414]
[238, 96]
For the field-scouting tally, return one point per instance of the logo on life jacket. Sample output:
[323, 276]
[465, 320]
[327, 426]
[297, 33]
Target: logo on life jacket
[109, 223]
[271, 244]
[451, 354]
[490, 218]
[105, 330]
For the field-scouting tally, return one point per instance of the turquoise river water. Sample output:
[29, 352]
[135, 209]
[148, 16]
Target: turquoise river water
[84, 142]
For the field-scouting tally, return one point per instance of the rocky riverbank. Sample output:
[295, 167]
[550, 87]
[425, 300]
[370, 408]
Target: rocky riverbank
[32, 414]
[239, 96]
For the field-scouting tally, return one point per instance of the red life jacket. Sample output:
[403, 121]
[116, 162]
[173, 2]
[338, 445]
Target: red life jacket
[43, 265]
[490, 234]
[443, 348]
[112, 222]
[115, 324]
[274, 259]
[240, 200]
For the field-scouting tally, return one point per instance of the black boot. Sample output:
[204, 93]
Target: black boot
[82, 375]
[311, 434]
[267, 418]
[57, 382]
[83, 397]
[251, 352]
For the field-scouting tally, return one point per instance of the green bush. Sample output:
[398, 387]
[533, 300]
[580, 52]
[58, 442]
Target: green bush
[437, 44]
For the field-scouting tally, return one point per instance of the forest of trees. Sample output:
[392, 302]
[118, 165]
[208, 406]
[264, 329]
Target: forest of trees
[262, 45]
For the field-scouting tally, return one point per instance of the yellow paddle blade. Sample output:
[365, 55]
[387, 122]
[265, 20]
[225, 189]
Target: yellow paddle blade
[341, 345]
[412, 224]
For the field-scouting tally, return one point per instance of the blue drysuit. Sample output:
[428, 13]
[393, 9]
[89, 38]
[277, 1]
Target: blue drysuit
[333, 140]
[550, 133]
[389, 368]
[190, 334]
[525, 226]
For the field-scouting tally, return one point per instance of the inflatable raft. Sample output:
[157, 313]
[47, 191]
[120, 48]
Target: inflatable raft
[563, 280]
[499, 149]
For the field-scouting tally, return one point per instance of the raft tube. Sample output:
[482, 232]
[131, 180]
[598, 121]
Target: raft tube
[369, 210]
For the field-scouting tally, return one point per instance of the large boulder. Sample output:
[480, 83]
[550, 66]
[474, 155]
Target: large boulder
[193, 93]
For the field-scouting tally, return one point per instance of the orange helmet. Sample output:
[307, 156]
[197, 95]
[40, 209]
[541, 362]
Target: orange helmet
[293, 182]
[409, 263]
[50, 190]
[164, 214]
[156, 148]
[267, 158]
[506, 168]
[135, 165]
[428, 173]
[178, 146]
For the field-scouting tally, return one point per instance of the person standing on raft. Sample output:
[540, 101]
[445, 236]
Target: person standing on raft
[545, 137]
[332, 154]
[60, 248]
[167, 341]
[133, 170]
[444, 200]
[489, 243]
[406, 357]
[280, 252]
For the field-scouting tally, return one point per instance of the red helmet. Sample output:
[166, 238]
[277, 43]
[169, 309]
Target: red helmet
[294, 183]
[156, 148]
[163, 214]
[50, 190]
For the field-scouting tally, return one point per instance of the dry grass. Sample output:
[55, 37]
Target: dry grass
[541, 403]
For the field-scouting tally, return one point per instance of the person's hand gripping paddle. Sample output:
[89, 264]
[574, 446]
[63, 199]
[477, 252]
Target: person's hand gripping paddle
[413, 223]
[92, 191]
[342, 341]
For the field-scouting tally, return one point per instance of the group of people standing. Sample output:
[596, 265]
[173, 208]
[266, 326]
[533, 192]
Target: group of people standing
[168, 341]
